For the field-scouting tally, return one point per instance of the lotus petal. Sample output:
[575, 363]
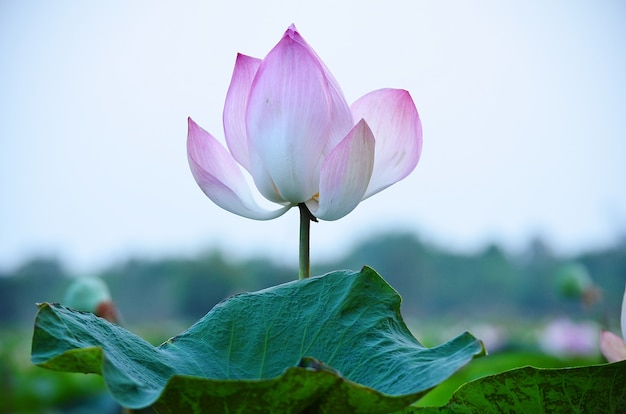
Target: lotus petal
[393, 118]
[220, 178]
[345, 174]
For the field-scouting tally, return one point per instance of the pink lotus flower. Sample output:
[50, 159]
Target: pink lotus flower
[612, 346]
[288, 124]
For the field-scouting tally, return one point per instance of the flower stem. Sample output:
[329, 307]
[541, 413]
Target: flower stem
[305, 229]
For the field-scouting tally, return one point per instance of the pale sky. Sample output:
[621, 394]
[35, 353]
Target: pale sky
[522, 105]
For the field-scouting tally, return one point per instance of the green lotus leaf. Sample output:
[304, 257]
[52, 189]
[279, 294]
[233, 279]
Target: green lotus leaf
[589, 389]
[334, 343]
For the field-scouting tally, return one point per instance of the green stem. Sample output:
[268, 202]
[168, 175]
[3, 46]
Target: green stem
[305, 229]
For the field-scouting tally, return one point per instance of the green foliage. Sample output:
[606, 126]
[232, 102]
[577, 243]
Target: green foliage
[494, 364]
[591, 389]
[25, 388]
[334, 343]
[434, 282]
[26, 285]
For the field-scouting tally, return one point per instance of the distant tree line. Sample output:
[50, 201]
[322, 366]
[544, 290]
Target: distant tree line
[490, 284]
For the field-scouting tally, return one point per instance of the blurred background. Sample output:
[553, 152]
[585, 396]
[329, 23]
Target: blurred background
[513, 224]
